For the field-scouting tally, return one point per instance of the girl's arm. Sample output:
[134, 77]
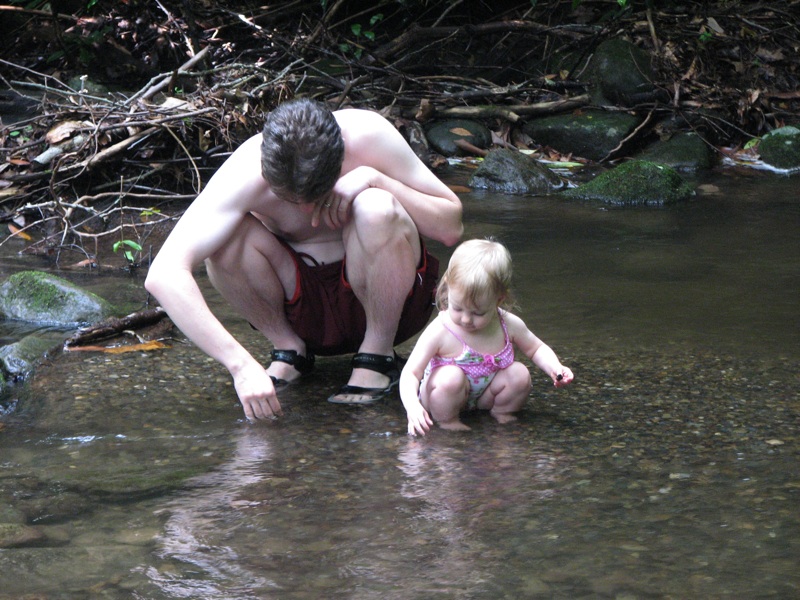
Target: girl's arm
[540, 353]
[427, 346]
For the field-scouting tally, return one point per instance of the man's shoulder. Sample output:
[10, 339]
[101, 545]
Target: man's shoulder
[359, 120]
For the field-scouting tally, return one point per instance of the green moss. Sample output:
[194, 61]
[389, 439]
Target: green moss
[41, 294]
[45, 298]
[633, 183]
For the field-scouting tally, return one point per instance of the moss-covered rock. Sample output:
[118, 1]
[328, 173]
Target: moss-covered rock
[620, 73]
[47, 299]
[781, 148]
[20, 358]
[634, 183]
[591, 134]
[511, 172]
[685, 151]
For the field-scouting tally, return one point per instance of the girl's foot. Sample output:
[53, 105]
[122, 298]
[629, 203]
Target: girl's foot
[454, 426]
[504, 418]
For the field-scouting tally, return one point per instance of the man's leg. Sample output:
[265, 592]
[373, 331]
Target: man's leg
[255, 273]
[383, 250]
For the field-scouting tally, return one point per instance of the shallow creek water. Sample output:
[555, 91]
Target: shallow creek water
[668, 470]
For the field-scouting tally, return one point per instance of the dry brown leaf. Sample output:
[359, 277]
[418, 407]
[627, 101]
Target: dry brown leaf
[143, 347]
[18, 232]
[461, 131]
[64, 130]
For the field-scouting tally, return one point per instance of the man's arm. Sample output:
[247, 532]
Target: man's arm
[205, 226]
[378, 156]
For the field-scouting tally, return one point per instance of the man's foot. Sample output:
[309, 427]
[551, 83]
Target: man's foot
[288, 366]
[374, 376]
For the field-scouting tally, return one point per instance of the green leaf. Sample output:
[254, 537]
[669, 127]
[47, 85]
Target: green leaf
[128, 243]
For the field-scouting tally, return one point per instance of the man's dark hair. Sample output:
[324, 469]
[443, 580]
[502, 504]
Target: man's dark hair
[302, 150]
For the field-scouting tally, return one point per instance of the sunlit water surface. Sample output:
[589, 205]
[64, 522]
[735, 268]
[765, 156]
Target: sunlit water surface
[668, 470]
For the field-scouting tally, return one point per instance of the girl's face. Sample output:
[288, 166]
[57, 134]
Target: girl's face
[471, 316]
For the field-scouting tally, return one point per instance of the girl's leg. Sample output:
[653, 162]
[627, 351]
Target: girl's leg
[507, 393]
[444, 395]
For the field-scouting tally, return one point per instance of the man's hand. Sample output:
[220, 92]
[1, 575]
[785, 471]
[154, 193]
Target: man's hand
[334, 209]
[257, 393]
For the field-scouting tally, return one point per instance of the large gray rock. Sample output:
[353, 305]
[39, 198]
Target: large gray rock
[511, 172]
[50, 300]
[634, 183]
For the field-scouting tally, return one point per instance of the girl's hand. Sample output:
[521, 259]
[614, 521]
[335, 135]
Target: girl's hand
[419, 421]
[563, 378]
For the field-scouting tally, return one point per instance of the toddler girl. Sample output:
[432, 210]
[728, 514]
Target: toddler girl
[465, 357]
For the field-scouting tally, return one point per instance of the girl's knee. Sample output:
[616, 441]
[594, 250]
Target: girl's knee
[519, 377]
[446, 387]
[515, 379]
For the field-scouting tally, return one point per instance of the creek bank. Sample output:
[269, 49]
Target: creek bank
[618, 76]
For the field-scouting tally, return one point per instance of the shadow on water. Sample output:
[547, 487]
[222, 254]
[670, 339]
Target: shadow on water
[668, 470]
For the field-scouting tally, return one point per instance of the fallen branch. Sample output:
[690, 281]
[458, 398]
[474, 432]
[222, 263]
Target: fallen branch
[158, 83]
[511, 113]
[115, 326]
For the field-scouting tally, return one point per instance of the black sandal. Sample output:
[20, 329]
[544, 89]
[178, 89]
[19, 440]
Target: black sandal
[385, 365]
[303, 364]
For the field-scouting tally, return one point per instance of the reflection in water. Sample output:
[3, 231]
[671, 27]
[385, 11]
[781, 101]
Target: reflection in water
[377, 509]
[201, 520]
[461, 489]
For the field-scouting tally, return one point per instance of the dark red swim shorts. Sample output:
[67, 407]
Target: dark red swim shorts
[328, 317]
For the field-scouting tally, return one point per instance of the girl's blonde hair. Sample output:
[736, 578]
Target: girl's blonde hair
[478, 267]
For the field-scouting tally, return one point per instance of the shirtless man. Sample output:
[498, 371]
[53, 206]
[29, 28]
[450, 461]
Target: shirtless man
[274, 226]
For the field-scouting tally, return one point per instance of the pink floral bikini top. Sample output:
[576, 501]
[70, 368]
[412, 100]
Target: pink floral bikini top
[480, 368]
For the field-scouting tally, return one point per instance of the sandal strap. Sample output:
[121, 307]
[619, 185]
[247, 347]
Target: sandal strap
[380, 363]
[303, 364]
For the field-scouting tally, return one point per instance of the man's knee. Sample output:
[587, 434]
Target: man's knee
[377, 211]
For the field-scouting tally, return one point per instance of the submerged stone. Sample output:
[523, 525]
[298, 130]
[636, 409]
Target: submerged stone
[20, 358]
